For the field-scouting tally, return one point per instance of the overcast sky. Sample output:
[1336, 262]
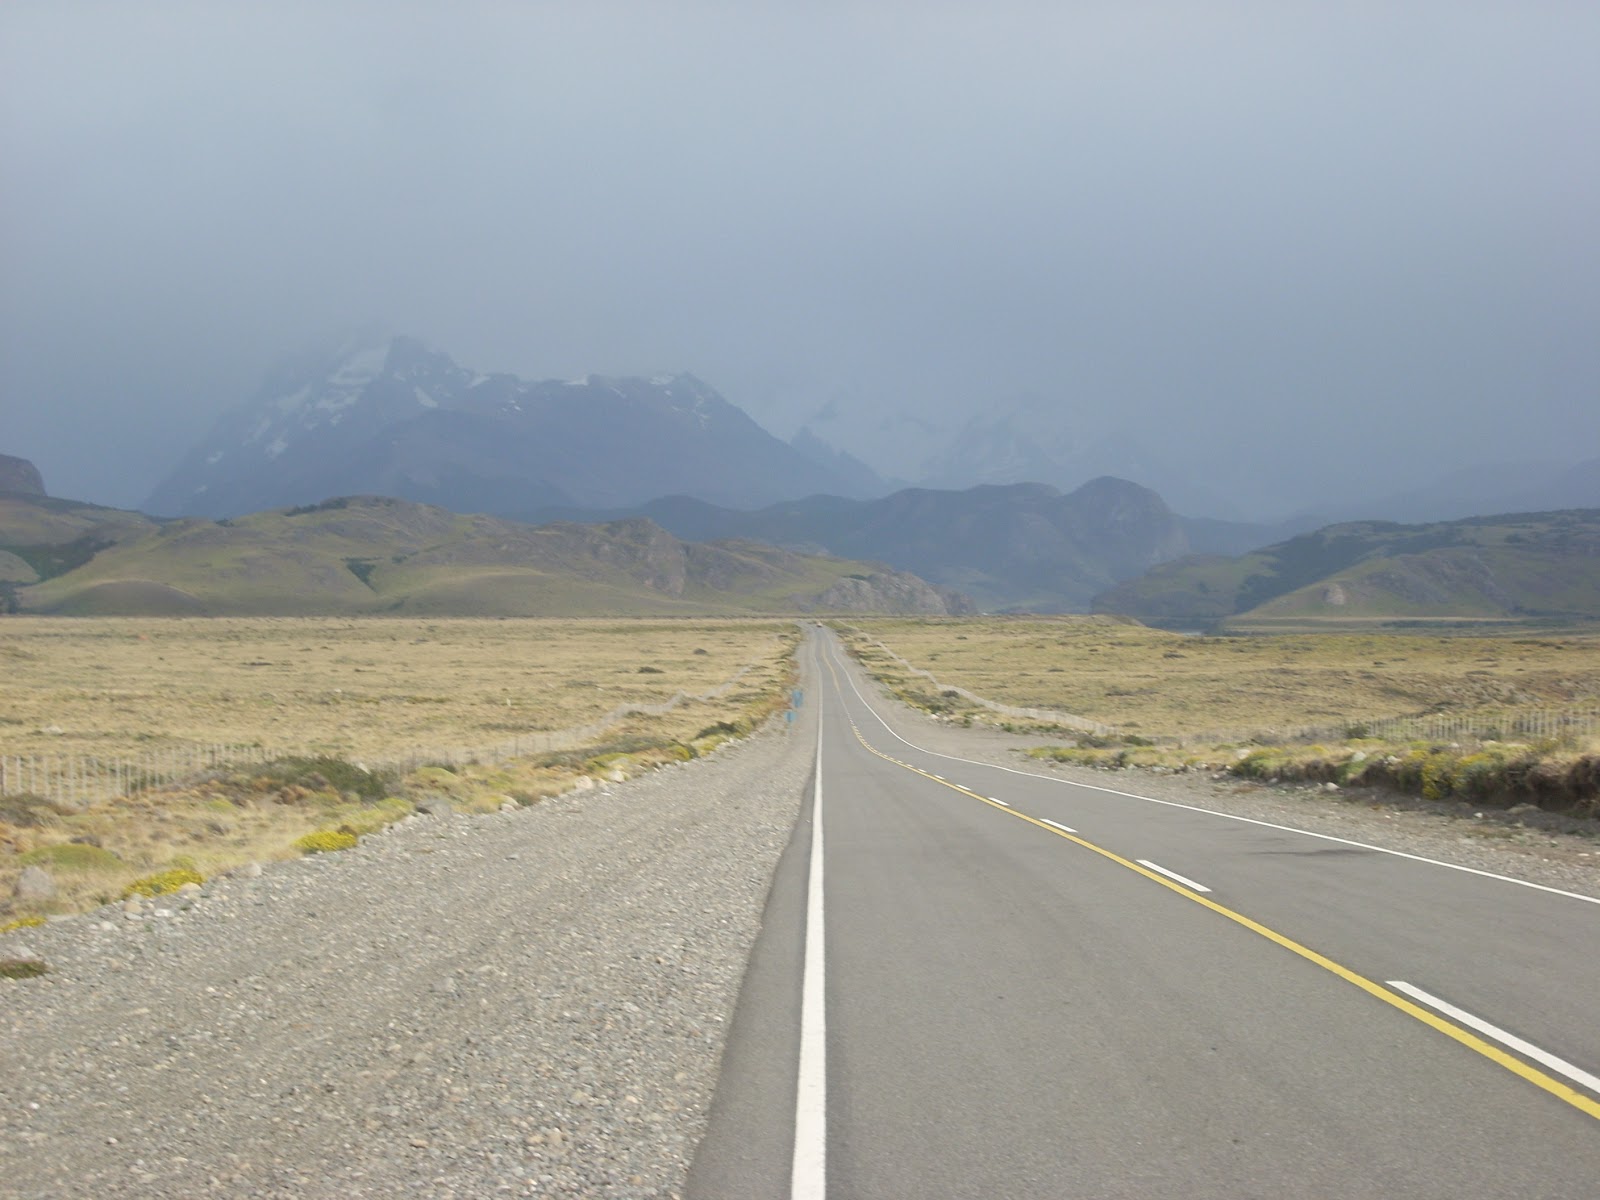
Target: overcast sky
[1322, 248]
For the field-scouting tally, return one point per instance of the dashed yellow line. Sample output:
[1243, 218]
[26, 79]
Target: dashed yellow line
[1555, 1087]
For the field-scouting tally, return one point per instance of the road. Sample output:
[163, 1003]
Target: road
[1040, 989]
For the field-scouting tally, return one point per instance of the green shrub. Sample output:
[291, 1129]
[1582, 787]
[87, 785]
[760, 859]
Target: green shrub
[21, 923]
[324, 841]
[21, 968]
[70, 856]
[162, 882]
[325, 773]
[1265, 763]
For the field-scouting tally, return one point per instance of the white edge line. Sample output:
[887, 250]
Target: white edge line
[1160, 870]
[1326, 837]
[1528, 1049]
[1058, 825]
[808, 1179]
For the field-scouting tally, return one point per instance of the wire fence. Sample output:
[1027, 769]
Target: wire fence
[1534, 724]
[79, 779]
[75, 780]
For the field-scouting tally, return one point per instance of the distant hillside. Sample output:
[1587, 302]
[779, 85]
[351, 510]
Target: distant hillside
[1021, 547]
[20, 475]
[380, 555]
[397, 419]
[41, 537]
[1522, 565]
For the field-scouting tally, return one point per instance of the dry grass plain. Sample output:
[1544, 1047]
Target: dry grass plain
[373, 690]
[1157, 684]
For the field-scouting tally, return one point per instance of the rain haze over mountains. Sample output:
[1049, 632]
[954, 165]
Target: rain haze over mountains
[1264, 259]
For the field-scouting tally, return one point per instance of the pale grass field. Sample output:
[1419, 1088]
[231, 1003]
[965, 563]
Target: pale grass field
[370, 688]
[1159, 684]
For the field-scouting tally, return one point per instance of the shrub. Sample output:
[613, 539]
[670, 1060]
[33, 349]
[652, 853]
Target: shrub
[163, 882]
[21, 923]
[21, 968]
[70, 856]
[323, 773]
[325, 841]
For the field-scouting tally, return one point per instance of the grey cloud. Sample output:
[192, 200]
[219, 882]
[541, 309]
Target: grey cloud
[1294, 243]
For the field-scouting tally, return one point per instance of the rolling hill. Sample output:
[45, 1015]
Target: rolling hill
[41, 537]
[381, 555]
[1519, 566]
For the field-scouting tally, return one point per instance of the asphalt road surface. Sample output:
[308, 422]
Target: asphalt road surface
[975, 981]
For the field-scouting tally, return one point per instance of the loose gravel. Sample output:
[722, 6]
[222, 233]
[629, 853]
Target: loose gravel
[525, 1004]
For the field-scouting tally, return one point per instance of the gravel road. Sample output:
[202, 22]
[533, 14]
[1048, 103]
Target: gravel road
[526, 1004]
[530, 1003]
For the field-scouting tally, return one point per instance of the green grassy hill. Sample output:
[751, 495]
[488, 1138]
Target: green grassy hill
[41, 537]
[378, 555]
[1523, 566]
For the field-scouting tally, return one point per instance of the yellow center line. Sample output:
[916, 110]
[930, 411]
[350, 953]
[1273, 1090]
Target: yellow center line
[1561, 1091]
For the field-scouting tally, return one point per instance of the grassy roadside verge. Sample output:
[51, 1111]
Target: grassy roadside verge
[56, 859]
[1161, 696]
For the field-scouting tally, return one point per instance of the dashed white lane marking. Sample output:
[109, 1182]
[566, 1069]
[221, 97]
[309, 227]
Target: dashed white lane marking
[1188, 883]
[1058, 825]
[997, 800]
[1527, 1049]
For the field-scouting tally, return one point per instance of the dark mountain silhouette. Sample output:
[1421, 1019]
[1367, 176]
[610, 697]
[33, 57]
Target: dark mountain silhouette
[21, 476]
[1023, 546]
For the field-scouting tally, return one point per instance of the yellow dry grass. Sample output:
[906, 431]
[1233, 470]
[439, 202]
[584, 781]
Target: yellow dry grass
[1159, 684]
[371, 688]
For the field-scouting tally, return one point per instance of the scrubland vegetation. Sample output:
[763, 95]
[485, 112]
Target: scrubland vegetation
[339, 702]
[1268, 707]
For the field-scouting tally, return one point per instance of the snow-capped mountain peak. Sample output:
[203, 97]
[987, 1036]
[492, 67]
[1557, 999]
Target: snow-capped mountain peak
[395, 418]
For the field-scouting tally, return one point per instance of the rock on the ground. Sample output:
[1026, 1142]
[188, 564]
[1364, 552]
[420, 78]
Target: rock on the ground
[34, 886]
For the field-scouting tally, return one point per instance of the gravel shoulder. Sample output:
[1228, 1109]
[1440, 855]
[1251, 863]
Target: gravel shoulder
[530, 1003]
